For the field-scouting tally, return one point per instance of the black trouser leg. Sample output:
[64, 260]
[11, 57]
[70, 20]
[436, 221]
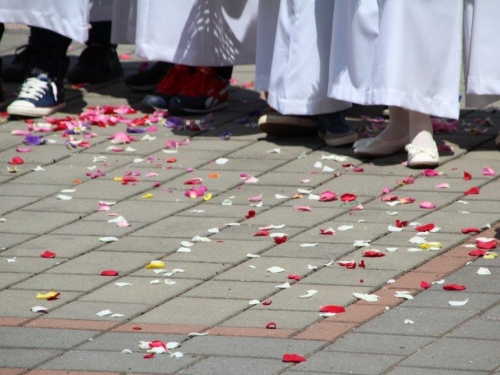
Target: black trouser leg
[100, 33]
[49, 51]
[2, 29]
[224, 72]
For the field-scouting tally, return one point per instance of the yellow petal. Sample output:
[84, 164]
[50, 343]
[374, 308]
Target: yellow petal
[490, 255]
[207, 197]
[430, 245]
[155, 264]
[46, 295]
[118, 179]
[148, 196]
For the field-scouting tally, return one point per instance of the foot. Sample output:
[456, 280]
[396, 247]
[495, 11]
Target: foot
[169, 87]
[334, 129]
[422, 157]
[377, 147]
[96, 64]
[39, 96]
[147, 80]
[286, 126]
[204, 92]
[16, 71]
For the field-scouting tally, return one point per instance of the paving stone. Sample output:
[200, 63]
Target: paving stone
[478, 329]
[473, 206]
[55, 174]
[217, 145]
[165, 173]
[8, 240]
[337, 275]
[193, 270]
[307, 164]
[292, 249]
[100, 189]
[27, 265]
[493, 314]
[475, 283]
[456, 168]
[98, 228]
[439, 299]
[157, 245]
[17, 303]
[217, 210]
[358, 363]
[87, 160]
[36, 222]
[288, 299]
[243, 164]
[253, 318]
[141, 291]
[52, 204]
[290, 216]
[458, 353]
[361, 231]
[39, 338]
[106, 361]
[454, 223]
[274, 178]
[11, 278]
[65, 246]
[246, 232]
[429, 184]
[46, 154]
[77, 310]
[63, 283]
[117, 341]
[232, 290]
[252, 347]
[379, 344]
[187, 158]
[290, 149]
[380, 216]
[440, 200]
[95, 262]
[227, 180]
[178, 226]
[400, 370]
[393, 239]
[243, 272]
[427, 322]
[193, 311]
[164, 194]
[26, 358]
[14, 203]
[231, 365]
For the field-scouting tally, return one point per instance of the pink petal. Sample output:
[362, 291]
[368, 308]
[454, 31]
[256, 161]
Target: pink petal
[305, 181]
[427, 205]
[359, 207]
[444, 185]
[302, 208]
[255, 199]
[20, 132]
[22, 149]
[488, 171]
[251, 180]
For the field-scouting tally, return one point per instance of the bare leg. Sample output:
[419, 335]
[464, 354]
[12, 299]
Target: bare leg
[399, 125]
[421, 130]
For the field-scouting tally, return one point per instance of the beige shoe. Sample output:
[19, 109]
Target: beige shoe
[376, 147]
[286, 126]
[422, 157]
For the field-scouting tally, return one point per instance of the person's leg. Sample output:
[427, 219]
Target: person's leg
[99, 61]
[42, 92]
[422, 151]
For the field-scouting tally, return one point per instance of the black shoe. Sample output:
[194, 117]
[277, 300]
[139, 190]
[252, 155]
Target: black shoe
[147, 80]
[334, 129]
[155, 102]
[96, 64]
[2, 96]
[16, 71]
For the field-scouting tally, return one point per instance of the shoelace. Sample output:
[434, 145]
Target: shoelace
[34, 88]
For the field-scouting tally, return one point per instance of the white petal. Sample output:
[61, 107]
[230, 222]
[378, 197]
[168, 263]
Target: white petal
[366, 297]
[117, 315]
[309, 267]
[458, 303]
[183, 250]
[221, 161]
[403, 294]
[393, 228]
[409, 321]
[393, 203]
[250, 255]
[275, 269]
[138, 160]
[256, 204]
[123, 284]
[227, 202]
[254, 302]
[314, 197]
[172, 345]
[126, 351]
[309, 244]
[213, 230]
[391, 249]
[38, 169]
[108, 239]
[344, 228]
[67, 190]
[177, 355]
[104, 313]
[274, 151]
[284, 286]
[64, 197]
[157, 281]
[187, 243]
[37, 309]
[309, 294]
[392, 213]
[318, 165]
[233, 224]
[391, 281]
[169, 282]
[327, 169]
[304, 191]
[483, 271]
[327, 315]
[279, 196]
[417, 240]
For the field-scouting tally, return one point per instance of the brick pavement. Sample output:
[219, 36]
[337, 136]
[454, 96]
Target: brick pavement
[220, 278]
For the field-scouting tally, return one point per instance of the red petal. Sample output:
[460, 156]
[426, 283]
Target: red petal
[280, 240]
[48, 254]
[454, 287]
[373, 254]
[271, 325]
[109, 273]
[486, 245]
[471, 191]
[268, 302]
[16, 160]
[358, 169]
[150, 355]
[54, 297]
[261, 233]
[348, 197]
[362, 263]
[350, 266]
[326, 232]
[470, 230]
[361, 281]
[136, 328]
[157, 344]
[295, 358]
[250, 214]
[294, 277]
[389, 198]
[425, 228]
[401, 224]
[425, 284]
[467, 176]
[332, 309]
[477, 253]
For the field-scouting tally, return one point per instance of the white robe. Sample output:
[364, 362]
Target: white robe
[299, 56]
[409, 53]
[66, 17]
[197, 32]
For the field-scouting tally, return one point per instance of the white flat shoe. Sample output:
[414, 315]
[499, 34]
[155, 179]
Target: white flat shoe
[420, 157]
[282, 126]
[378, 147]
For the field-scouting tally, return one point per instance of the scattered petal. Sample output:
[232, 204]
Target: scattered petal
[309, 293]
[293, 358]
[454, 287]
[458, 303]
[427, 205]
[483, 271]
[48, 254]
[488, 171]
[275, 269]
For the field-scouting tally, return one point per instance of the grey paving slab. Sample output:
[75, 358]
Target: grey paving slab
[475, 283]
[193, 311]
[246, 232]
[107, 190]
[400, 370]
[380, 216]
[478, 329]
[12, 189]
[253, 318]
[17, 303]
[87, 160]
[144, 245]
[292, 249]
[8, 279]
[243, 165]
[117, 341]
[97, 261]
[118, 362]
[274, 178]
[26, 358]
[14, 203]
[440, 200]
[457, 185]
[232, 290]
[458, 353]
[98, 228]
[474, 166]
[427, 322]
[141, 291]
[379, 344]
[454, 223]
[63, 283]
[250, 347]
[45, 154]
[40, 338]
[187, 158]
[55, 174]
[36, 222]
[52, 204]
[27, 265]
[290, 149]
[356, 363]
[492, 314]
[447, 240]
[217, 144]
[218, 210]
[193, 270]
[227, 180]
[473, 206]
[290, 216]
[241, 194]
[231, 365]
[88, 310]
[360, 231]
[342, 276]
[439, 299]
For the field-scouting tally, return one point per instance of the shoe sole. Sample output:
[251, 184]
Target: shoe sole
[145, 88]
[423, 165]
[368, 155]
[200, 111]
[341, 141]
[286, 126]
[34, 112]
